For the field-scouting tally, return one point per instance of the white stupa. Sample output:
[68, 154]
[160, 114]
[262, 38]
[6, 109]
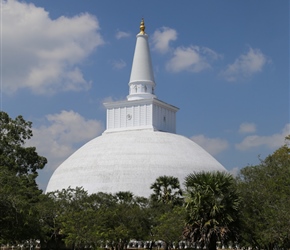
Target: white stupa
[139, 143]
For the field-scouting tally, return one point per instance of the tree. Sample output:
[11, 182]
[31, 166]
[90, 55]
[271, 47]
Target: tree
[13, 153]
[126, 219]
[265, 192]
[80, 220]
[70, 219]
[165, 207]
[18, 199]
[19, 193]
[166, 189]
[170, 226]
[49, 210]
[212, 204]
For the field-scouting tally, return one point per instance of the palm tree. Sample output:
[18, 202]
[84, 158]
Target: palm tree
[165, 202]
[166, 189]
[212, 204]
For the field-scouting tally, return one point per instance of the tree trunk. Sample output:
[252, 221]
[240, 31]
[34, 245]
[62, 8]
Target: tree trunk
[165, 246]
[151, 244]
[212, 243]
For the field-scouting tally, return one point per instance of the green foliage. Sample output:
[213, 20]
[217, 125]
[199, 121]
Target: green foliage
[64, 217]
[19, 193]
[212, 204]
[166, 210]
[126, 219]
[18, 197]
[169, 226]
[80, 220]
[13, 153]
[48, 210]
[166, 189]
[265, 191]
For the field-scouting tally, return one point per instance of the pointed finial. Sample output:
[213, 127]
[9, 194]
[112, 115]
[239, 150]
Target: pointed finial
[142, 27]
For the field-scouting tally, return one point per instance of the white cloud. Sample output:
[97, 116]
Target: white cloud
[162, 37]
[119, 64]
[192, 58]
[234, 171]
[113, 99]
[212, 145]
[246, 65]
[57, 140]
[108, 99]
[43, 54]
[271, 141]
[247, 127]
[122, 34]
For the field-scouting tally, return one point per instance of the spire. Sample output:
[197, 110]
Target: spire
[142, 27]
[142, 84]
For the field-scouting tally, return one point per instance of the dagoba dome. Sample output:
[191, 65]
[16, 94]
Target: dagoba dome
[139, 143]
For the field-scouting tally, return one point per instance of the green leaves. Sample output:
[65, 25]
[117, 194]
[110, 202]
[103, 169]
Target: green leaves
[166, 189]
[19, 193]
[212, 204]
[13, 153]
[167, 214]
[80, 219]
[265, 191]
[170, 225]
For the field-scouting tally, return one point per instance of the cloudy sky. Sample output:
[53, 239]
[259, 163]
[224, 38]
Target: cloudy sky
[225, 64]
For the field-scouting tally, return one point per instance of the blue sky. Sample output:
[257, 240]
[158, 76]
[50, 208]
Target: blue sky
[225, 64]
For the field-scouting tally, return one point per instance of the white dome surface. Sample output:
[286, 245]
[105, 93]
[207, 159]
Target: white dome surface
[131, 161]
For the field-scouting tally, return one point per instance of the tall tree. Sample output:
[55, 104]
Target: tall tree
[265, 192]
[77, 218]
[13, 153]
[19, 192]
[212, 204]
[128, 220]
[80, 220]
[169, 227]
[49, 217]
[166, 189]
[165, 207]
[18, 214]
